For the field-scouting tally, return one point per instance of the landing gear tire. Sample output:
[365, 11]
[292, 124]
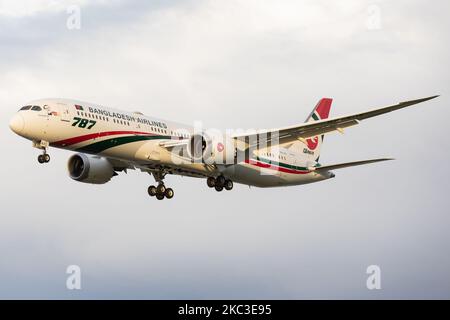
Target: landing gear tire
[160, 196]
[228, 185]
[220, 181]
[44, 158]
[218, 188]
[152, 191]
[169, 193]
[161, 189]
[211, 182]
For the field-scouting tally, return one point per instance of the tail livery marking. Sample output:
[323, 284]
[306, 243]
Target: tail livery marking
[323, 108]
[320, 112]
[312, 143]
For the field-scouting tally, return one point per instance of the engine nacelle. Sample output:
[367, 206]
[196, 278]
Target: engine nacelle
[199, 147]
[90, 169]
[212, 148]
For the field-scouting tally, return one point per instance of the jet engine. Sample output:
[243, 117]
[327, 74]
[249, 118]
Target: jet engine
[199, 147]
[212, 149]
[90, 169]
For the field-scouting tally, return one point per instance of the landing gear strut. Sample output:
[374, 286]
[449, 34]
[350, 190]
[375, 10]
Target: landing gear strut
[220, 183]
[160, 192]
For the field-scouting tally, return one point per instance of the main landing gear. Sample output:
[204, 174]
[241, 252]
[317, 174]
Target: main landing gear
[220, 183]
[160, 192]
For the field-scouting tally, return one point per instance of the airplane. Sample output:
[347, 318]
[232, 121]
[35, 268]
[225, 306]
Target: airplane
[109, 141]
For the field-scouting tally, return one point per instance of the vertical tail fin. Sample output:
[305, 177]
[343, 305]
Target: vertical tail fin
[321, 111]
[310, 148]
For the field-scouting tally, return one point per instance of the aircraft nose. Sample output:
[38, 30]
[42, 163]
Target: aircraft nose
[17, 124]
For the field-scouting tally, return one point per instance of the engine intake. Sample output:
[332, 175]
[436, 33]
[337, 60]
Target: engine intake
[90, 169]
[212, 148]
[199, 147]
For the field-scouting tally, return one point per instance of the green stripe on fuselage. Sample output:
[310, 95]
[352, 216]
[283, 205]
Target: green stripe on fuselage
[101, 146]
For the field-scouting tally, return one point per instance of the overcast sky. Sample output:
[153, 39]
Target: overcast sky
[232, 64]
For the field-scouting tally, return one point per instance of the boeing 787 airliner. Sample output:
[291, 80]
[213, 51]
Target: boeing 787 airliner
[109, 141]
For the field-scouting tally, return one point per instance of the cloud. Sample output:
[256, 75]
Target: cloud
[231, 64]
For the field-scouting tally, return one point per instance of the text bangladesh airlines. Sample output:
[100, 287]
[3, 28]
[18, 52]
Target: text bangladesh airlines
[109, 141]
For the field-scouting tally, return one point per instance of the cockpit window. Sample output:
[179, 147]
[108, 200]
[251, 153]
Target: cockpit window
[25, 108]
[36, 108]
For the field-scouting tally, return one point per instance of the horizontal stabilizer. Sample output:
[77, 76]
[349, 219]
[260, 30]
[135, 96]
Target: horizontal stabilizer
[350, 164]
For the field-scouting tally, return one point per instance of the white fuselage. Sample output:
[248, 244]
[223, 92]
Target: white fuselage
[135, 138]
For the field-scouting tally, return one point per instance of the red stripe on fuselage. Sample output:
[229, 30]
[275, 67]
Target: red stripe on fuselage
[75, 140]
[274, 167]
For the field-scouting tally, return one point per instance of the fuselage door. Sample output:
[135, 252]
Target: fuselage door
[64, 112]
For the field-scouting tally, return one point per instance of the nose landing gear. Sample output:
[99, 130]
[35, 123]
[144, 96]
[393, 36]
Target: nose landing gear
[219, 183]
[44, 158]
[42, 145]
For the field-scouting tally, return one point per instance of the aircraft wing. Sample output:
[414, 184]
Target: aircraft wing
[312, 129]
[349, 164]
